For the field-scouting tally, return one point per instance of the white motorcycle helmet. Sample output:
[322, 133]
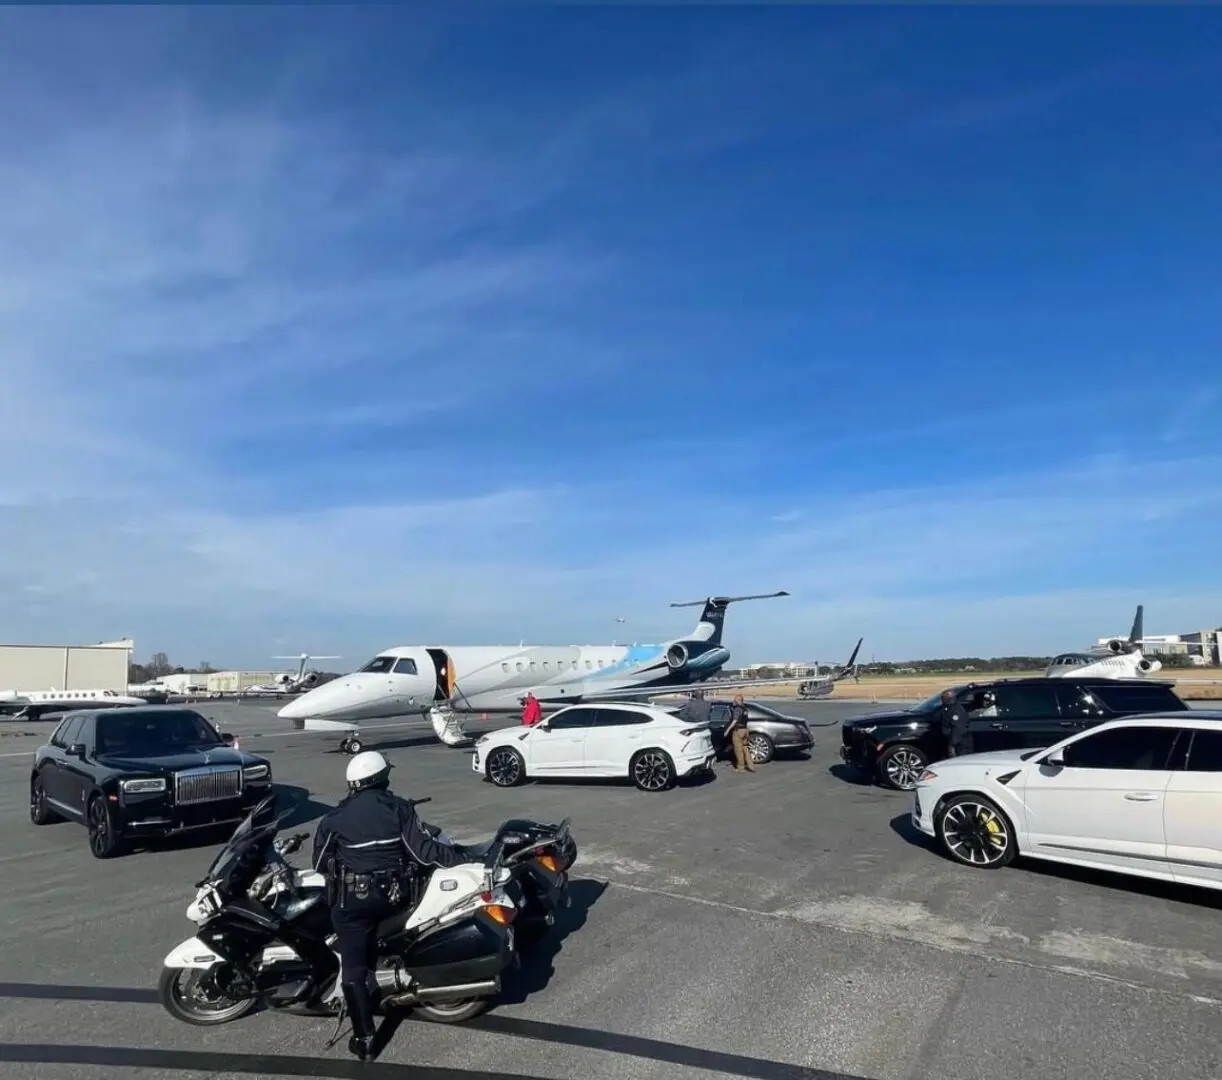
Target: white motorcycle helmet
[367, 769]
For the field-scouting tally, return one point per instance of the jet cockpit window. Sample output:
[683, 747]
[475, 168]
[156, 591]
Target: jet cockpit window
[380, 665]
[405, 666]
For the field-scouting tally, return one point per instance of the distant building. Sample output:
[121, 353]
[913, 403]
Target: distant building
[1203, 646]
[66, 667]
[231, 682]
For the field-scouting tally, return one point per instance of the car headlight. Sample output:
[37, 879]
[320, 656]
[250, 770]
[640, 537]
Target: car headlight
[868, 730]
[143, 787]
[928, 774]
[256, 772]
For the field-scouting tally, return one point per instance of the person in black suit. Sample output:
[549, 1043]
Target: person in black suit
[955, 726]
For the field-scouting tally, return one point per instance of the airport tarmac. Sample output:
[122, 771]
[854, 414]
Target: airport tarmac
[779, 926]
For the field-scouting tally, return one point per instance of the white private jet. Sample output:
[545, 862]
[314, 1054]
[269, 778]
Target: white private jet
[288, 683]
[34, 704]
[440, 681]
[1117, 659]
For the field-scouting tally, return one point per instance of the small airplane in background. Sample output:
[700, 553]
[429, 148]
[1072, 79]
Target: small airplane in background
[36, 704]
[1119, 659]
[822, 686]
[288, 683]
[442, 681]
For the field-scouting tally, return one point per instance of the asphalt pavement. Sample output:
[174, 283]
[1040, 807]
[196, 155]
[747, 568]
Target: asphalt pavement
[781, 925]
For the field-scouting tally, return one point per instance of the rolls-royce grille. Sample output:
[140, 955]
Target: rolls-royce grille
[207, 785]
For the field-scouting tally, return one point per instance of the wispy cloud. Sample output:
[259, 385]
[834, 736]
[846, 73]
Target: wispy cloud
[282, 377]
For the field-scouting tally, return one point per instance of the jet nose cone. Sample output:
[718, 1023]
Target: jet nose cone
[298, 709]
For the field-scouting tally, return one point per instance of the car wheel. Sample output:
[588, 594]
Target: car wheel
[761, 748]
[652, 770]
[901, 767]
[104, 842]
[40, 810]
[975, 832]
[505, 767]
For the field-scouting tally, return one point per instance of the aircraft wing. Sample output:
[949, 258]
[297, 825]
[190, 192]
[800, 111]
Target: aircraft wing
[640, 693]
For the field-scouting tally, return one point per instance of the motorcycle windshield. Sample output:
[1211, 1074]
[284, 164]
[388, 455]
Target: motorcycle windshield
[241, 838]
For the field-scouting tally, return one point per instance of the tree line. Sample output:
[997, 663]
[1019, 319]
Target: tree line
[953, 665]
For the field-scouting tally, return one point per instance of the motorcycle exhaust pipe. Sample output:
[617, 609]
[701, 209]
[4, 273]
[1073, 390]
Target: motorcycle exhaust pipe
[457, 992]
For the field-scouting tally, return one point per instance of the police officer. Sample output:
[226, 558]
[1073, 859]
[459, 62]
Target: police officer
[955, 726]
[369, 848]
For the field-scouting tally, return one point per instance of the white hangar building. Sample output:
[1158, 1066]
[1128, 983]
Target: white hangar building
[66, 667]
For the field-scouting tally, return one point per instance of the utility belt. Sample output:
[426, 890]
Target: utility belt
[395, 887]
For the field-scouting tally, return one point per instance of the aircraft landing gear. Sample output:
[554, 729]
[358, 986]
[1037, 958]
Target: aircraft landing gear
[351, 745]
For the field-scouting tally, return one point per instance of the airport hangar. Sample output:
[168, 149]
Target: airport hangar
[66, 667]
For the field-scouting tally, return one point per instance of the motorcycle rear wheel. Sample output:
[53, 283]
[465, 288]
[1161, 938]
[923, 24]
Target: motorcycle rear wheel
[451, 1012]
[177, 989]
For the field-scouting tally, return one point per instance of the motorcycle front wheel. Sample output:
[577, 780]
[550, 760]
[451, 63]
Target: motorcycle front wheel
[193, 996]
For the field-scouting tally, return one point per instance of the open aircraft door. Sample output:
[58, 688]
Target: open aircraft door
[447, 678]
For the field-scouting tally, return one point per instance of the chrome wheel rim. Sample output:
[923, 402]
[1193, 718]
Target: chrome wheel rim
[975, 833]
[503, 767]
[652, 770]
[904, 768]
[757, 746]
[99, 827]
[191, 994]
[38, 799]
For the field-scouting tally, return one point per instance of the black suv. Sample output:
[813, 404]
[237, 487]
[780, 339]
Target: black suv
[896, 746]
[143, 771]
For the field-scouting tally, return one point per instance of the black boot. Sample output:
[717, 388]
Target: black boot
[364, 1032]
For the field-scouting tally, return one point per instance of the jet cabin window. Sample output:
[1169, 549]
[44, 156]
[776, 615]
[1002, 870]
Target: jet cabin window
[380, 665]
[405, 666]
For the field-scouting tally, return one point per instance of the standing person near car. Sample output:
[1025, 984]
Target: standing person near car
[955, 726]
[696, 710]
[736, 729]
[532, 711]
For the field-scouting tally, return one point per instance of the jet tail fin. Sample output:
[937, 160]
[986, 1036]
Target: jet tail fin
[1138, 632]
[713, 615]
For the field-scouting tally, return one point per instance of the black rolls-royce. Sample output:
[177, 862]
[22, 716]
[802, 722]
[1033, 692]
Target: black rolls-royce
[143, 771]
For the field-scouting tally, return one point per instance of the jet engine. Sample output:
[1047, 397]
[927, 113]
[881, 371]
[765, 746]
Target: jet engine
[1147, 667]
[1118, 646]
[308, 680]
[680, 655]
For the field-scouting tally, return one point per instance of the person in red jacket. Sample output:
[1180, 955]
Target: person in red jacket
[532, 711]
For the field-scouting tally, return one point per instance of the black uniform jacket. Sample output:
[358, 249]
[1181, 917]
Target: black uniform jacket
[375, 830]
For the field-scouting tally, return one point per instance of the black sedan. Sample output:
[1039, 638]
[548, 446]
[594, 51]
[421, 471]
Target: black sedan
[143, 771]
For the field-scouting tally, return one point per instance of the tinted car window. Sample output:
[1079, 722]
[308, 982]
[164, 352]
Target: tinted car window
[572, 718]
[719, 714]
[1026, 702]
[152, 732]
[1076, 701]
[1138, 698]
[72, 730]
[621, 717]
[57, 736]
[1123, 748]
[1205, 754]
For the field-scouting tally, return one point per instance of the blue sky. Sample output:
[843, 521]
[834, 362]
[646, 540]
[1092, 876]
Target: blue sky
[331, 329]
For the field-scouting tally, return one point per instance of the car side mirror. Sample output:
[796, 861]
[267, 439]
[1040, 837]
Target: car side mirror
[76, 749]
[227, 738]
[1056, 760]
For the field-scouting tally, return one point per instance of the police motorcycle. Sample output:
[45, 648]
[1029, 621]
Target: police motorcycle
[265, 936]
[538, 857]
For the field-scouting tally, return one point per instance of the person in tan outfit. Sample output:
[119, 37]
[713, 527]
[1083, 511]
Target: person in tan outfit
[737, 730]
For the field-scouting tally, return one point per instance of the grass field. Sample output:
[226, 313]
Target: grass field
[1190, 686]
